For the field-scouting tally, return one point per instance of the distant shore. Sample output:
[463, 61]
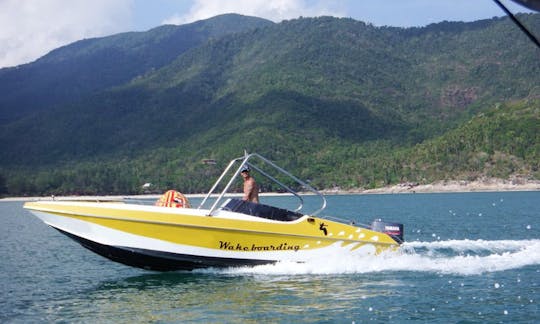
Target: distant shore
[447, 186]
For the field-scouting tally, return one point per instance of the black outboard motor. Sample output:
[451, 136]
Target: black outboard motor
[395, 230]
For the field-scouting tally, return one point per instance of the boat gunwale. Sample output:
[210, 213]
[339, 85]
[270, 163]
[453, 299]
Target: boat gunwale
[162, 211]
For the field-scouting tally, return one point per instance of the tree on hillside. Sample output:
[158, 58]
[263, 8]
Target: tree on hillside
[3, 186]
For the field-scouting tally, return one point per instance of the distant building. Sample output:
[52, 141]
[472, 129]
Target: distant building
[209, 161]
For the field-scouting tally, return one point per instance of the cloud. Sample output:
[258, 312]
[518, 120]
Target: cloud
[29, 29]
[275, 10]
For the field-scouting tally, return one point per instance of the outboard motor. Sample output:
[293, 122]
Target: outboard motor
[395, 230]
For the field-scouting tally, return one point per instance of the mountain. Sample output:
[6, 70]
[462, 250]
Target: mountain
[329, 98]
[72, 72]
[501, 142]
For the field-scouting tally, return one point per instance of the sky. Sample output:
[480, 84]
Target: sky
[30, 29]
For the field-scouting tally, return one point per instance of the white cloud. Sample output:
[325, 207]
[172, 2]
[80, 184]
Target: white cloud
[275, 10]
[29, 29]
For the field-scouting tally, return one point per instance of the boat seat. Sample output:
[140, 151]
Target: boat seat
[260, 210]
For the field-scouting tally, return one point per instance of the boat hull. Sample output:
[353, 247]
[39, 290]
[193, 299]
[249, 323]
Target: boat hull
[161, 238]
[160, 260]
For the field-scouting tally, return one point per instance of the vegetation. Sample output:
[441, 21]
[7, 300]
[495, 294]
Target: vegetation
[336, 101]
[83, 68]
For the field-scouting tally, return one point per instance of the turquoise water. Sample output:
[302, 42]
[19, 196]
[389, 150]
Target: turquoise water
[469, 258]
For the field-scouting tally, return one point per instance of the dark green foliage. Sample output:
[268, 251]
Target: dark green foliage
[336, 101]
[3, 186]
[501, 142]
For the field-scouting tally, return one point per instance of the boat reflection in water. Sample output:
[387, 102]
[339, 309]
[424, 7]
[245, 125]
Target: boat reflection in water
[166, 297]
[221, 232]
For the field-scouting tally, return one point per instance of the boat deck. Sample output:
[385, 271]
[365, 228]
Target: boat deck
[260, 210]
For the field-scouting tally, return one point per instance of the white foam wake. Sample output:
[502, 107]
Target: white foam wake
[474, 245]
[466, 257]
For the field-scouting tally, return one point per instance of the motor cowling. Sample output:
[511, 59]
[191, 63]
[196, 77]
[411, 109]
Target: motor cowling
[394, 230]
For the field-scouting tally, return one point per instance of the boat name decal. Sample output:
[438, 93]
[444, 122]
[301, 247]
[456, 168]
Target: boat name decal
[239, 247]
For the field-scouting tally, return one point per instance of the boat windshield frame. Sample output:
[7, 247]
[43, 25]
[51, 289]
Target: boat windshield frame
[244, 161]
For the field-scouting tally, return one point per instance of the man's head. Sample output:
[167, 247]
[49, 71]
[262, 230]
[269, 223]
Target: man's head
[245, 171]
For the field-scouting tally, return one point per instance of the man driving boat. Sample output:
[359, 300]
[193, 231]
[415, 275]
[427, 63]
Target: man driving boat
[251, 189]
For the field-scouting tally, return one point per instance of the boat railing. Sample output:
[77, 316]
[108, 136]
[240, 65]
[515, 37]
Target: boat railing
[245, 161]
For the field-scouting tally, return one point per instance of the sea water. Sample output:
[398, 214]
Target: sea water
[469, 258]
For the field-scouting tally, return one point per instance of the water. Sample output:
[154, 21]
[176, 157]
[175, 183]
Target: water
[469, 258]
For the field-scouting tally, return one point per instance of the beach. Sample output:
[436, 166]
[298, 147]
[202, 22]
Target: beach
[484, 185]
[445, 186]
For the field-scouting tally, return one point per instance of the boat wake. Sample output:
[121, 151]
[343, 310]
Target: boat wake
[460, 257]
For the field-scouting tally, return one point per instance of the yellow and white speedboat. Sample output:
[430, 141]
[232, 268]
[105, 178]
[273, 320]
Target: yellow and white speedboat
[227, 232]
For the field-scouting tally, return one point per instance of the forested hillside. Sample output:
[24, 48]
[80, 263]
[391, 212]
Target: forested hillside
[338, 102]
[75, 71]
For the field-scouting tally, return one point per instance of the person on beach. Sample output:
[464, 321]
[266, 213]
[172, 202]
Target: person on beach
[251, 189]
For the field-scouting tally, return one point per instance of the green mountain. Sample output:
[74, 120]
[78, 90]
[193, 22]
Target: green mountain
[501, 142]
[83, 68]
[337, 101]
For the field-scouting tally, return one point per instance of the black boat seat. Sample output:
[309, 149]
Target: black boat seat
[260, 210]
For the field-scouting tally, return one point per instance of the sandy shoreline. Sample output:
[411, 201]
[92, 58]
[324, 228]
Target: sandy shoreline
[448, 186]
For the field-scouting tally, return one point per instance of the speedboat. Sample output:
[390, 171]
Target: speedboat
[222, 231]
